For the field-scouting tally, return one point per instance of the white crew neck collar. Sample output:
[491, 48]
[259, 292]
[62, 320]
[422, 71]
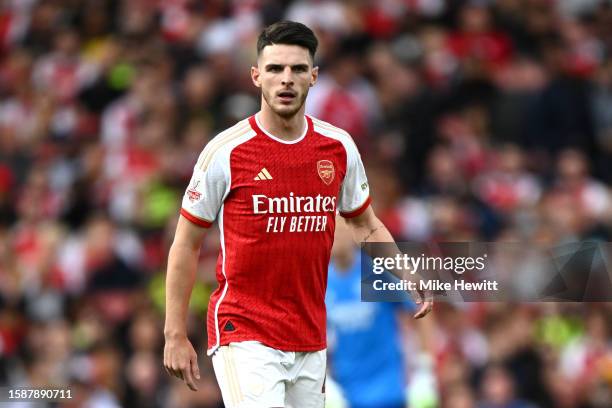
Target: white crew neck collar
[278, 139]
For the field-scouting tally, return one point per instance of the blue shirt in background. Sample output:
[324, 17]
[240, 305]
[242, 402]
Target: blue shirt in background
[365, 354]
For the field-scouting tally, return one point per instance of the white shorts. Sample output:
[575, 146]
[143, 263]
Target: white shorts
[252, 375]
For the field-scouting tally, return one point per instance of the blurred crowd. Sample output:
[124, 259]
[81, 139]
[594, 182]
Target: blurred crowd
[478, 120]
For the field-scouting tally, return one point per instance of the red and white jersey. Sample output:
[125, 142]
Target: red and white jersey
[276, 202]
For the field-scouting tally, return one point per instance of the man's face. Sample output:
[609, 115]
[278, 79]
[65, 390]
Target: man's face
[284, 73]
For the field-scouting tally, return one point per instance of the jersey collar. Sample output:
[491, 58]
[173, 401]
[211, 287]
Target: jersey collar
[256, 125]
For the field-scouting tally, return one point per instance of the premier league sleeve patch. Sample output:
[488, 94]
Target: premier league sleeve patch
[193, 194]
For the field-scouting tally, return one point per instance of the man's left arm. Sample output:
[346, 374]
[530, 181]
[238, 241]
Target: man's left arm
[366, 227]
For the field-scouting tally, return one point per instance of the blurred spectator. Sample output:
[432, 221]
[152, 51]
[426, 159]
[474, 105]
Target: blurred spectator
[498, 390]
[342, 96]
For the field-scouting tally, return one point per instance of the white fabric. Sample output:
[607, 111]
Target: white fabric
[252, 375]
[211, 179]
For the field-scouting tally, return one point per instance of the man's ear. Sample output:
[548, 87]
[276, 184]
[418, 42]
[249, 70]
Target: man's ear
[255, 76]
[315, 76]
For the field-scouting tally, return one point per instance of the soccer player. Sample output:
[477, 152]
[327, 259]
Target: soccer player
[274, 181]
[366, 358]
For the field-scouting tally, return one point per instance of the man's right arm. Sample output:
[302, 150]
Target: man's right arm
[208, 187]
[180, 358]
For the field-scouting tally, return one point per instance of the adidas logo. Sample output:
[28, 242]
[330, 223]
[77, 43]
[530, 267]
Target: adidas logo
[263, 175]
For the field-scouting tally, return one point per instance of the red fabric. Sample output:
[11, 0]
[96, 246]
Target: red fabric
[64, 79]
[500, 194]
[6, 178]
[5, 25]
[344, 110]
[378, 23]
[391, 218]
[175, 20]
[582, 66]
[26, 245]
[492, 47]
[141, 162]
[10, 340]
[276, 280]
[197, 221]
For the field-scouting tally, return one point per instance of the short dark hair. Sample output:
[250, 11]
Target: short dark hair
[289, 33]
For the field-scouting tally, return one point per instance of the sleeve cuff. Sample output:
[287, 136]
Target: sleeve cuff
[200, 222]
[358, 211]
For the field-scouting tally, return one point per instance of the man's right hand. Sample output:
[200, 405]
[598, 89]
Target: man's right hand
[181, 360]
[424, 300]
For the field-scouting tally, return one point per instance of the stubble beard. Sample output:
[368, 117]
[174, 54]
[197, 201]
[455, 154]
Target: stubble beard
[286, 114]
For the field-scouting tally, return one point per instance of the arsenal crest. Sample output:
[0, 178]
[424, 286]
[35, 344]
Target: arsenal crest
[326, 171]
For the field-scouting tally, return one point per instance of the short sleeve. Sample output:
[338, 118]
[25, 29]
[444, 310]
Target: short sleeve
[355, 190]
[206, 191]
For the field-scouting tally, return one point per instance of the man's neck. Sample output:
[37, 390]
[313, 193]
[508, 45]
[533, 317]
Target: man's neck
[284, 128]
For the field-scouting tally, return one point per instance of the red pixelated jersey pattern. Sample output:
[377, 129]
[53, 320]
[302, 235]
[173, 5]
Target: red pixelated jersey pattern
[276, 203]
